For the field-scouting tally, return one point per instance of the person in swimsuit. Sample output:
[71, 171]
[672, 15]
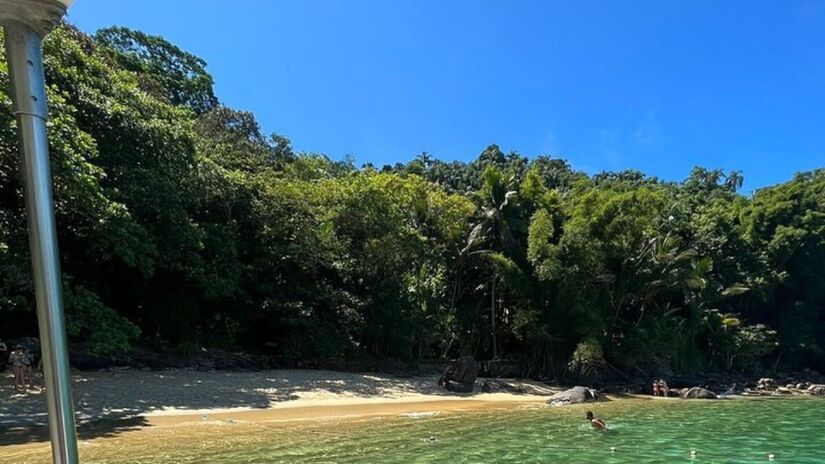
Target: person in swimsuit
[21, 365]
[655, 388]
[664, 389]
[597, 424]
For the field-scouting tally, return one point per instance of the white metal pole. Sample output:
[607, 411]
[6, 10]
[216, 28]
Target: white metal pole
[23, 53]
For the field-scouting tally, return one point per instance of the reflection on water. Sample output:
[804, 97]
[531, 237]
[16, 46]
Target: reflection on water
[735, 431]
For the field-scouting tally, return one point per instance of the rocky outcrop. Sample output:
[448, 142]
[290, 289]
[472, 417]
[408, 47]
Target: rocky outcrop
[574, 395]
[460, 375]
[517, 386]
[698, 393]
[766, 384]
[816, 390]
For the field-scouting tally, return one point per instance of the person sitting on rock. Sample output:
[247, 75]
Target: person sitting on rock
[597, 424]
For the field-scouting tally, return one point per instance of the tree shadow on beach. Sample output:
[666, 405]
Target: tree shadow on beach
[87, 430]
[112, 402]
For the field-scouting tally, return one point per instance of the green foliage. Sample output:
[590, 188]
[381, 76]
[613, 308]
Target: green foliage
[750, 344]
[164, 70]
[588, 359]
[97, 325]
[183, 225]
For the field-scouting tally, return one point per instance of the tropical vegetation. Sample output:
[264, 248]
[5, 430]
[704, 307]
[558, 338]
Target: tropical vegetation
[182, 225]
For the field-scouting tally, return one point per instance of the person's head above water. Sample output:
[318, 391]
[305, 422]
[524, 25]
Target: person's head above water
[597, 424]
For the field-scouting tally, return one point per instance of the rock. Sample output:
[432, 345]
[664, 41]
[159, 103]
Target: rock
[802, 385]
[699, 393]
[460, 375]
[81, 359]
[637, 388]
[790, 386]
[516, 386]
[766, 383]
[501, 386]
[574, 395]
[817, 390]
[205, 365]
[734, 389]
[784, 391]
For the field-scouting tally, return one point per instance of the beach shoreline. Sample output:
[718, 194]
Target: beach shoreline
[174, 409]
[31, 442]
[115, 402]
[133, 406]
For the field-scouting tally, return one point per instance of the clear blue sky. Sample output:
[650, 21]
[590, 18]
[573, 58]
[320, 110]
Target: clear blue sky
[658, 86]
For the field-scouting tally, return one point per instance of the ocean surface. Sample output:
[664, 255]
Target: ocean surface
[724, 431]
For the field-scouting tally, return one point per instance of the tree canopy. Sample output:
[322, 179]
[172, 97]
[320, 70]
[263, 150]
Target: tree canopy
[182, 225]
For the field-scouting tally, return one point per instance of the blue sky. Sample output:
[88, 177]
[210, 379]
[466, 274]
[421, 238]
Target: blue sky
[658, 86]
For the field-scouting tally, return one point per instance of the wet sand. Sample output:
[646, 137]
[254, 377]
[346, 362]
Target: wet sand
[411, 408]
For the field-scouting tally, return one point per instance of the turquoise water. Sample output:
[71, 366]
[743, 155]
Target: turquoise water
[734, 431]
[731, 431]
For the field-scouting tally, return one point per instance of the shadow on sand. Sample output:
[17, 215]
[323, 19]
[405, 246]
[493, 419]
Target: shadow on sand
[112, 402]
[91, 429]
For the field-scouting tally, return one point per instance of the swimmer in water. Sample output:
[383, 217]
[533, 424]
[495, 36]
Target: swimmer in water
[597, 424]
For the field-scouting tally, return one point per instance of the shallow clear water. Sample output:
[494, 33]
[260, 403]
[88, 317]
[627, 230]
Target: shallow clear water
[734, 431]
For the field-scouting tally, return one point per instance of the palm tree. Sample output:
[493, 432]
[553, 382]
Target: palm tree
[493, 230]
[734, 180]
[425, 159]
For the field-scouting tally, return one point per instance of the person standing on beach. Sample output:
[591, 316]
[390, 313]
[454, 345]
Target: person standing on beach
[655, 388]
[21, 366]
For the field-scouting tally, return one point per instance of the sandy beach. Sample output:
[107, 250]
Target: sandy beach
[118, 401]
[134, 407]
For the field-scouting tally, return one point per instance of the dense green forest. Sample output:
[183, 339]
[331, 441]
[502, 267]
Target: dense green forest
[182, 225]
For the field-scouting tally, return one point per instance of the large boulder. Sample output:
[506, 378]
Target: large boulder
[518, 387]
[766, 383]
[698, 393]
[817, 390]
[503, 386]
[573, 396]
[460, 375]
